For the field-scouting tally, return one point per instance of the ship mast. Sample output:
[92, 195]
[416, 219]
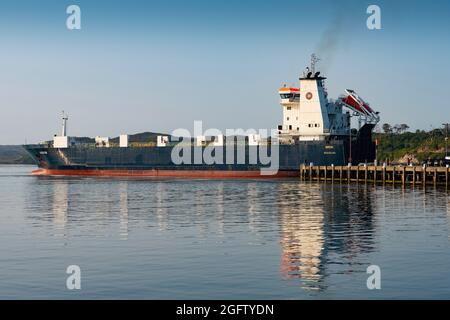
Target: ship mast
[65, 117]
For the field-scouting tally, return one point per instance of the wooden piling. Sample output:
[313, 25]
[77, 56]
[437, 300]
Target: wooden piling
[446, 178]
[365, 174]
[404, 176]
[436, 176]
[424, 176]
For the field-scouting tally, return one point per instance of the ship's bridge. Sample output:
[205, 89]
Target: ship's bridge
[289, 95]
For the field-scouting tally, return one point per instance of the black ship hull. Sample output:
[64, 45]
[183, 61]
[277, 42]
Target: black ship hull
[158, 161]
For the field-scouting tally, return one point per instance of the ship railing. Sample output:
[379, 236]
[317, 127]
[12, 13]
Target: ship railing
[153, 144]
[38, 146]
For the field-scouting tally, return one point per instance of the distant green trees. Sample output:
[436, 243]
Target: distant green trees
[394, 142]
[398, 128]
[14, 155]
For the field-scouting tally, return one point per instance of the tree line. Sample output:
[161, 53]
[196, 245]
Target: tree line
[398, 128]
[396, 142]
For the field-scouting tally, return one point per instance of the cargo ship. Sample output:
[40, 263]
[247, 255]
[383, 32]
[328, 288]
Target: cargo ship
[314, 130]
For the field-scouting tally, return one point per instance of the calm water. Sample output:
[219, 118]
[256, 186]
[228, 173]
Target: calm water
[199, 239]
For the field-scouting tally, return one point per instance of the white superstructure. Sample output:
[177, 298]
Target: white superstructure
[308, 114]
[102, 142]
[63, 141]
[123, 141]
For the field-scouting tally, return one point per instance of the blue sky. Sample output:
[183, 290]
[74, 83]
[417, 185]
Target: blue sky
[158, 65]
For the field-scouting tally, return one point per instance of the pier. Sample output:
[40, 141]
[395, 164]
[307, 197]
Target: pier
[402, 175]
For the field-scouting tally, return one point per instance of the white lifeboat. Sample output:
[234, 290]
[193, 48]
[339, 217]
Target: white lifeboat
[355, 103]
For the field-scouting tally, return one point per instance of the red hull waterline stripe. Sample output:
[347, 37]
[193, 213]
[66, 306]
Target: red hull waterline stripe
[165, 173]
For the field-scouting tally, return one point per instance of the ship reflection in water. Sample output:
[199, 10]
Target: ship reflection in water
[317, 222]
[251, 239]
[60, 207]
